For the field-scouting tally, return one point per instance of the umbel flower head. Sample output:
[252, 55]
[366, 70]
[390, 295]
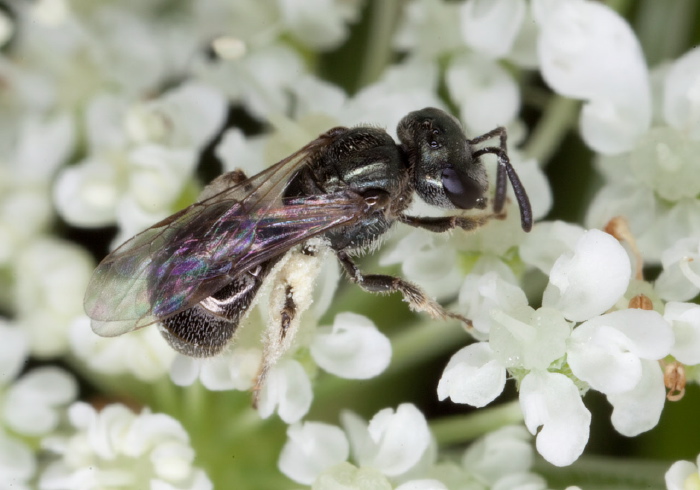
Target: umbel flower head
[115, 115]
[116, 448]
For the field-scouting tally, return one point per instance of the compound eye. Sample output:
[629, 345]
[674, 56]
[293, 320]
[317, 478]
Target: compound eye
[462, 191]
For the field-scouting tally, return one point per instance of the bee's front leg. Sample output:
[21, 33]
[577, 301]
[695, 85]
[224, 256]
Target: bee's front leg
[442, 224]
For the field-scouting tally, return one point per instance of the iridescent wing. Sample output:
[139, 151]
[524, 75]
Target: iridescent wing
[194, 253]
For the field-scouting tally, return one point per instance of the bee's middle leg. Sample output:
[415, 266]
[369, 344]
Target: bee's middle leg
[412, 294]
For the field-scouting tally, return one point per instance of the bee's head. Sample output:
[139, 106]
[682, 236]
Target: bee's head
[445, 172]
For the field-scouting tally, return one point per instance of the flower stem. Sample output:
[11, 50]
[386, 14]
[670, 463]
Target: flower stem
[382, 22]
[461, 428]
[558, 118]
[423, 341]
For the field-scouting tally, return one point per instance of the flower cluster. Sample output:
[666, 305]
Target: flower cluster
[114, 113]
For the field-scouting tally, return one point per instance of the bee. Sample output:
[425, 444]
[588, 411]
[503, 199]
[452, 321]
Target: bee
[197, 272]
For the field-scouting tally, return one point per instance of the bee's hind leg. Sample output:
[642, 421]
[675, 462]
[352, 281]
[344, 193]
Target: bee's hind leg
[290, 297]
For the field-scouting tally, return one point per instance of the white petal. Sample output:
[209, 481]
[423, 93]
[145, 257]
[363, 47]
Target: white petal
[485, 92]
[87, 194]
[504, 451]
[681, 93]
[13, 351]
[628, 199]
[420, 21]
[422, 485]
[551, 400]
[158, 174]
[7, 28]
[236, 151]
[685, 320]
[587, 51]
[17, 463]
[528, 338]
[311, 448]
[401, 438]
[184, 370]
[429, 260]
[521, 481]
[215, 373]
[35, 162]
[480, 294]
[320, 24]
[288, 389]
[680, 279]
[491, 26]
[244, 367]
[346, 476]
[472, 376]
[353, 348]
[665, 161]
[536, 182]
[315, 95]
[639, 409]
[605, 351]
[547, 242]
[678, 474]
[591, 280]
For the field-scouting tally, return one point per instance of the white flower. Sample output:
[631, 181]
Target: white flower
[654, 185]
[311, 448]
[428, 260]
[485, 92]
[591, 279]
[587, 51]
[352, 348]
[25, 175]
[118, 448]
[346, 475]
[140, 159]
[614, 354]
[552, 401]
[683, 475]
[548, 241]
[685, 321]
[392, 444]
[319, 24]
[7, 28]
[607, 350]
[421, 19]
[422, 485]
[680, 279]
[393, 441]
[13, 351]
[287, 389]
[681, 105]
[528, 338]
[505, 451]
[472, 376]
[33, 404]
[259, 80]
[234, 369]
[490, 27]
[143, 354]
[52, 275]
[17, 464]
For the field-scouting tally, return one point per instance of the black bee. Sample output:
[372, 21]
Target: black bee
[197, 271]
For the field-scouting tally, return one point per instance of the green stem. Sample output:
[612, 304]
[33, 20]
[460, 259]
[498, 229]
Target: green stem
[461, 428]
[377, 55]
[606, 473]
[424, 341]
[559, 117]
